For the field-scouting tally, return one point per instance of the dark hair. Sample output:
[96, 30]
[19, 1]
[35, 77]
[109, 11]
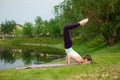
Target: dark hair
[88, 57]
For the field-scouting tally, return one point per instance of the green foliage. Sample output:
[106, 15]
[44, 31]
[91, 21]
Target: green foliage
[40, 26]
[18, 33]
[38, 23]
[95, 41]
[103, 13]
[8, 26]
[53, 27]
[85, 33]
[70, 11]
[37, 40]
[27, 29]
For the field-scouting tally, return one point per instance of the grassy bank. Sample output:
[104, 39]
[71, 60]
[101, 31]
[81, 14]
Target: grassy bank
[106, 67]
[51, 45]
[35, 40]
[45, 42]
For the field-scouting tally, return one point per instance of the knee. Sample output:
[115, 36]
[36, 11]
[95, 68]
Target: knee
[65, 27]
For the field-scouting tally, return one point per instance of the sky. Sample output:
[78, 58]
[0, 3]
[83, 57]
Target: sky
[26, 10]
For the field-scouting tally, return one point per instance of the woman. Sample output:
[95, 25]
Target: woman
[71, 54]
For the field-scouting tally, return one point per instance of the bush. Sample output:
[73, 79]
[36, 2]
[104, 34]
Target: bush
[95, 41]
[77, 40]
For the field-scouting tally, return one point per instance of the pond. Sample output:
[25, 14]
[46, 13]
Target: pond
[11, 57]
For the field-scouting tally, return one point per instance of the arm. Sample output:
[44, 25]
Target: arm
[68, 58]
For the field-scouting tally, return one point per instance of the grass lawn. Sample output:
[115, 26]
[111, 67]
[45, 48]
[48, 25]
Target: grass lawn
[106, 66]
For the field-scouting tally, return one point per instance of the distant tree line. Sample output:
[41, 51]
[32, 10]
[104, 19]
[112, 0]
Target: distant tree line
[40, 28]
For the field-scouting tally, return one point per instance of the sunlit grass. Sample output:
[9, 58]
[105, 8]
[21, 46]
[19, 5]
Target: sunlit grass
[105, 66]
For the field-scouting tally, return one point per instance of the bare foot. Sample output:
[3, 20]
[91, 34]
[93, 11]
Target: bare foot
[84, 21]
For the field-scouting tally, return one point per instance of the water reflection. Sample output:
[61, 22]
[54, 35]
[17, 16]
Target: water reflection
[19, 57]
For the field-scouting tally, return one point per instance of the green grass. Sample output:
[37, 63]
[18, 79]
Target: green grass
[106, 66]
[38, 40]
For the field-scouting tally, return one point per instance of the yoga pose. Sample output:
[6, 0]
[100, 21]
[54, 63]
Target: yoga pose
[71, 54]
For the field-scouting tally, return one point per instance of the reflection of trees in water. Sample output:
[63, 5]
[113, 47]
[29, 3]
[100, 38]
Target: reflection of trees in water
[7, 55]
[37, 58]
[27, 57]
[40, 58]
[30, 56]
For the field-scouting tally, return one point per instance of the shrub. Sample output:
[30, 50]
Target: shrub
[95, 41]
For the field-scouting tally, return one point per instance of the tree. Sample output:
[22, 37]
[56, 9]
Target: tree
[8, 26]
[46, 23]
[27, 29]
[69, 12]
[103, 13]
[38, 24]
[106, 14]
[54, 27]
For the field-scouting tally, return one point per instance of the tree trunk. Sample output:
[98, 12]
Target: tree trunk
[110, 41]
[117, 36]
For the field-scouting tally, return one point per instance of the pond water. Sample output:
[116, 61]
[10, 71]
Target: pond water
[11, 57]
